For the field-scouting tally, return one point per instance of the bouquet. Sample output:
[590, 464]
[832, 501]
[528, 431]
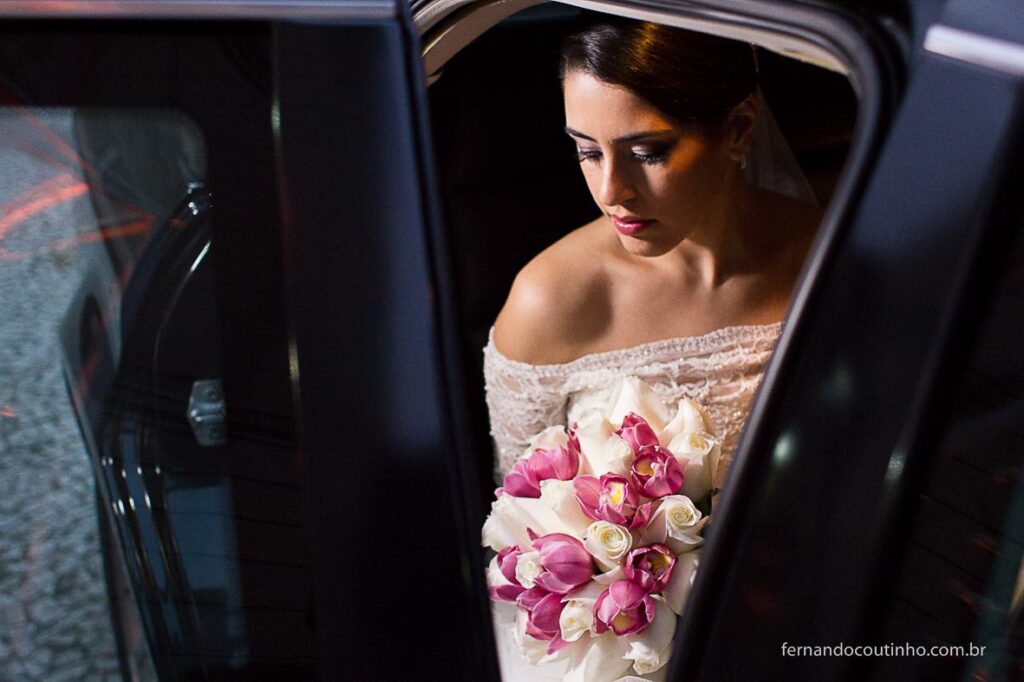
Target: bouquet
[596, 531]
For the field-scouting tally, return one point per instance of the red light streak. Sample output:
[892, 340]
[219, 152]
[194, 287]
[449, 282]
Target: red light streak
[125, 230]
[49, 147]
[57, 191]
[12, 217]
[72, 157]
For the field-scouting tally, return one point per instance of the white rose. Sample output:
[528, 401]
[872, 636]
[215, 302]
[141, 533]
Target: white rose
[602, 451]
[683, 575]
[528, 568]
[676, 523]
[592, 430]
[560, 498]
[650, 650]
[634, 395]
[598, 659]
[690, 416]
[510, 518]
[548, 439]
[495, 578]
[683, 521]
[618, 457]
[577, 619]
[697, 453]
[530, 648]
[608, 543]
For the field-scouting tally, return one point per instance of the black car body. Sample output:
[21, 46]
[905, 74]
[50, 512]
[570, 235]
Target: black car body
[278, 378]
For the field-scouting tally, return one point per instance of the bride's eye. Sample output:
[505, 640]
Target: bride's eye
[651, 155]
[587, 154]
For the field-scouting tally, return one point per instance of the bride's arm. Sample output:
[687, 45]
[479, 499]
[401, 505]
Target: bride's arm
[549, 315]
[522, 401]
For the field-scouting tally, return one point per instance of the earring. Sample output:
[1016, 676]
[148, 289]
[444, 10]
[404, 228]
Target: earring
[743, 162]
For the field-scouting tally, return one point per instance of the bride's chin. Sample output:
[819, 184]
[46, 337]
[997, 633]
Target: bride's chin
[642, 247]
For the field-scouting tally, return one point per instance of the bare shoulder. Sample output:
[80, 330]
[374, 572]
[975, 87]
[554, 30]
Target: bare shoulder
[557, 301]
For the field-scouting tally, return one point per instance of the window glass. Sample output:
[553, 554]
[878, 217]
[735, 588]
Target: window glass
[511, 180]
[959, 580]
[53, 615]
[151, 511]
[514, 187]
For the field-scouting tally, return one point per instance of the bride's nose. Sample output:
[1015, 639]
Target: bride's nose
[616, 184]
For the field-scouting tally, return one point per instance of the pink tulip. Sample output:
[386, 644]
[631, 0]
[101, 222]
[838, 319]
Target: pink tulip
[507, 559]
[531, 597]
[544, 611]
[643, 515]
[611, 498]
[637, 433]
[650, 567]
[519, 482]
[543, 622]
[625, 608]
[566, 563]
[561, 463]
[656, 472]
[557, 644]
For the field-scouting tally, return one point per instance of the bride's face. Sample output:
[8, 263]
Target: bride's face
[656, 180]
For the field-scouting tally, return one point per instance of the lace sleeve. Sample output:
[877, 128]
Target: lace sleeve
[522, 401]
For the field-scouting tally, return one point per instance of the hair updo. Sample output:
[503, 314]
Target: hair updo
[689, 76]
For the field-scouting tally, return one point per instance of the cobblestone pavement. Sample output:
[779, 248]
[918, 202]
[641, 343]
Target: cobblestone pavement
[54, 619]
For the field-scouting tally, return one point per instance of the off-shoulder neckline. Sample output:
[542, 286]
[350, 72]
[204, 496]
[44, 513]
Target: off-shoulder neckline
[682, 344]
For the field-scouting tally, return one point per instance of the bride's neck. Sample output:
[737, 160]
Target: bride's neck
[728, 241]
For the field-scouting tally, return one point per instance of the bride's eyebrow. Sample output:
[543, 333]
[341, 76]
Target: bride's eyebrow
[633, 137]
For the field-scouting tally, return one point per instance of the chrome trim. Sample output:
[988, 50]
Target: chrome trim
[198, 9]
[431, 15]
[977, 49]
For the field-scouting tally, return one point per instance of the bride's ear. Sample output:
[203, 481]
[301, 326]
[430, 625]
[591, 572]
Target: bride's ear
[739, 128]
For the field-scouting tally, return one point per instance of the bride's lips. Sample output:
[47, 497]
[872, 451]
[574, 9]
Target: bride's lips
[630, 225]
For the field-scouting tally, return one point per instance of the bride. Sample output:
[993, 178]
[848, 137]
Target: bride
[684, 278]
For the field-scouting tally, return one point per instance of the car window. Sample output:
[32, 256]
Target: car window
[511, 181]
[228, 437]
[152, 520]
[512, 187]
[958, 582]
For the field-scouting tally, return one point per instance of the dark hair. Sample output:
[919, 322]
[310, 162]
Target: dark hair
[691, 77]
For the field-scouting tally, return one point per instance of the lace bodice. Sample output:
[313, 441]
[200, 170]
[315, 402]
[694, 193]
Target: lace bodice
[720, 370]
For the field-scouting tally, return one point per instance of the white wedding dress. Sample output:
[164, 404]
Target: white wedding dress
[721, 370]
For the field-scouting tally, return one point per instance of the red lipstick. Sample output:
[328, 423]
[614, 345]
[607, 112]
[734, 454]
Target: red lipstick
[629, 225]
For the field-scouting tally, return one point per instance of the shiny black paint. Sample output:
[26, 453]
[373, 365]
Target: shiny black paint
[379, 409]
[375, 423]
[811, 528]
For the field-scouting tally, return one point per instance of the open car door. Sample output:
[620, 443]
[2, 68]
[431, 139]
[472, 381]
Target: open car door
[253, 352]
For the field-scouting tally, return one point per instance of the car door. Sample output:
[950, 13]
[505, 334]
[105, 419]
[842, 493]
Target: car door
[866, 514]
[250, 338]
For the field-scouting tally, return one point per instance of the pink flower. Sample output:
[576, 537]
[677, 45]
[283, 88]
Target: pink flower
[624, 608]
[539, 604]
[518, 482]
[637, 433]
[565, 563]
[507, 559]
[650, 567]
[561, 462]
[544, 610]
[544, 615]
[643, 515]
[656, 472]
[611, 498]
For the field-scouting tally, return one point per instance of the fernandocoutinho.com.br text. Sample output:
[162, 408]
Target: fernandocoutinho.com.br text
[883, 650]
